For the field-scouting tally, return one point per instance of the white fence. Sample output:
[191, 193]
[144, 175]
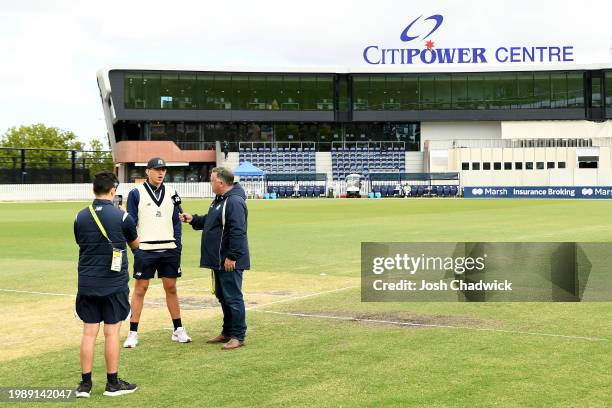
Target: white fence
[83, 192]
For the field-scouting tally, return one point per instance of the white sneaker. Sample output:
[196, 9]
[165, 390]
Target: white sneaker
[132, 340]
[180, 335]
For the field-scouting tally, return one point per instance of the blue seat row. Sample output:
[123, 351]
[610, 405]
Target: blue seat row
[391, 190]
[304, 190]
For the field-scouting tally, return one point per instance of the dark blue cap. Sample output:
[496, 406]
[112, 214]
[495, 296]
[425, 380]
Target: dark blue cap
[156, 163]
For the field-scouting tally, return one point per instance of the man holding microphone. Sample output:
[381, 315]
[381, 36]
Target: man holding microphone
[225, 250]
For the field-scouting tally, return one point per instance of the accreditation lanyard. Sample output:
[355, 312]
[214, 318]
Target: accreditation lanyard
[117, 253]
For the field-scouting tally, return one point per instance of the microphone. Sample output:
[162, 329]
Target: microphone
[176, 200]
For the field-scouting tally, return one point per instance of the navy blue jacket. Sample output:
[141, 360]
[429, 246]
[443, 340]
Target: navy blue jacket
[96, 253]
[219, 242]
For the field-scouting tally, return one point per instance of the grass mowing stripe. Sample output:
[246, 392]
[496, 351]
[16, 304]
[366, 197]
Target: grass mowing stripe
[37, 293]
[300, 297]
[439, 326]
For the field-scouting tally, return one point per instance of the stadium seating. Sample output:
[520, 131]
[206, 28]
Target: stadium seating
[363, 160]
[419, 190]
[305, 190]
[280, 159]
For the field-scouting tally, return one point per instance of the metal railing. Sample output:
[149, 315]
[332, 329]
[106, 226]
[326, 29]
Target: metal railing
[377, 145]
[517, 143]
[270, 145]
[21, 165]
[196, 145]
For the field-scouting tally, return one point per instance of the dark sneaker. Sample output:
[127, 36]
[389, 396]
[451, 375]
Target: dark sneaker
[121, 388]
[83, 390]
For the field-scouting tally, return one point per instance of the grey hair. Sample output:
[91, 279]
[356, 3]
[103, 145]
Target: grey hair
[224, 174]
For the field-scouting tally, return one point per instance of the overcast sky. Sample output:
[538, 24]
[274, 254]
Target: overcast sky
[51, 50]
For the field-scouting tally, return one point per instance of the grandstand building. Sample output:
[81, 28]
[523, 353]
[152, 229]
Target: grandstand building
[544, 125]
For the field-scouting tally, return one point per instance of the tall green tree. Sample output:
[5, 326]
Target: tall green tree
[98, 157]
[39, 136]
[92, 158]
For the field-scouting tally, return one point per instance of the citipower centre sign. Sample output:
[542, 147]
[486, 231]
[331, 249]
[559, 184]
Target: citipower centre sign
[421, 30]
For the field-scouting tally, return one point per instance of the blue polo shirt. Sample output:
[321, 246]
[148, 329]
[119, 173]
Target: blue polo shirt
[96, 252]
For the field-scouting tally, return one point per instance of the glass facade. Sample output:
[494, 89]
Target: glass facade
[342, 95]
[504, 90]
[408, 133]
[225, 91]
[203, 136]
[608, 88]
[358, 92]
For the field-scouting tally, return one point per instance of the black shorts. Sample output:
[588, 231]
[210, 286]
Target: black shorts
[167, 264]
[109, 309]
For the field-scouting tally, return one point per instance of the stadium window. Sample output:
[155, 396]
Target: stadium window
[274, 91]
[608, 82]
[561, 165]
[256, 94]
[186, 92]
[475, 166]
[529, 166]
[507, 165]
[240, 92]
[525, 98]
[465, 166]
[151, 83]
[133, 91]
[558, 81]
[596, 92]
[497, 166]
[491, 81]
[518, 166]
[361, 92]
[540, 165]
[427, 91]
[459, 91]
[542, 89]
[308, 92]
[506, 90]
[575, 90]
[170, 91]
[587, 164]
[377, 93]
[223, 91]
[292, 97]
[393, 88]
[205, 91]
[588, 159]
[550, 165]
[409, 98]
[486, 166]
[442, 88]
[325, 92]
[475, 93]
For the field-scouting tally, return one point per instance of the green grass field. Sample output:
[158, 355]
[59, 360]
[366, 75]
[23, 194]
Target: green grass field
[306, 260]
